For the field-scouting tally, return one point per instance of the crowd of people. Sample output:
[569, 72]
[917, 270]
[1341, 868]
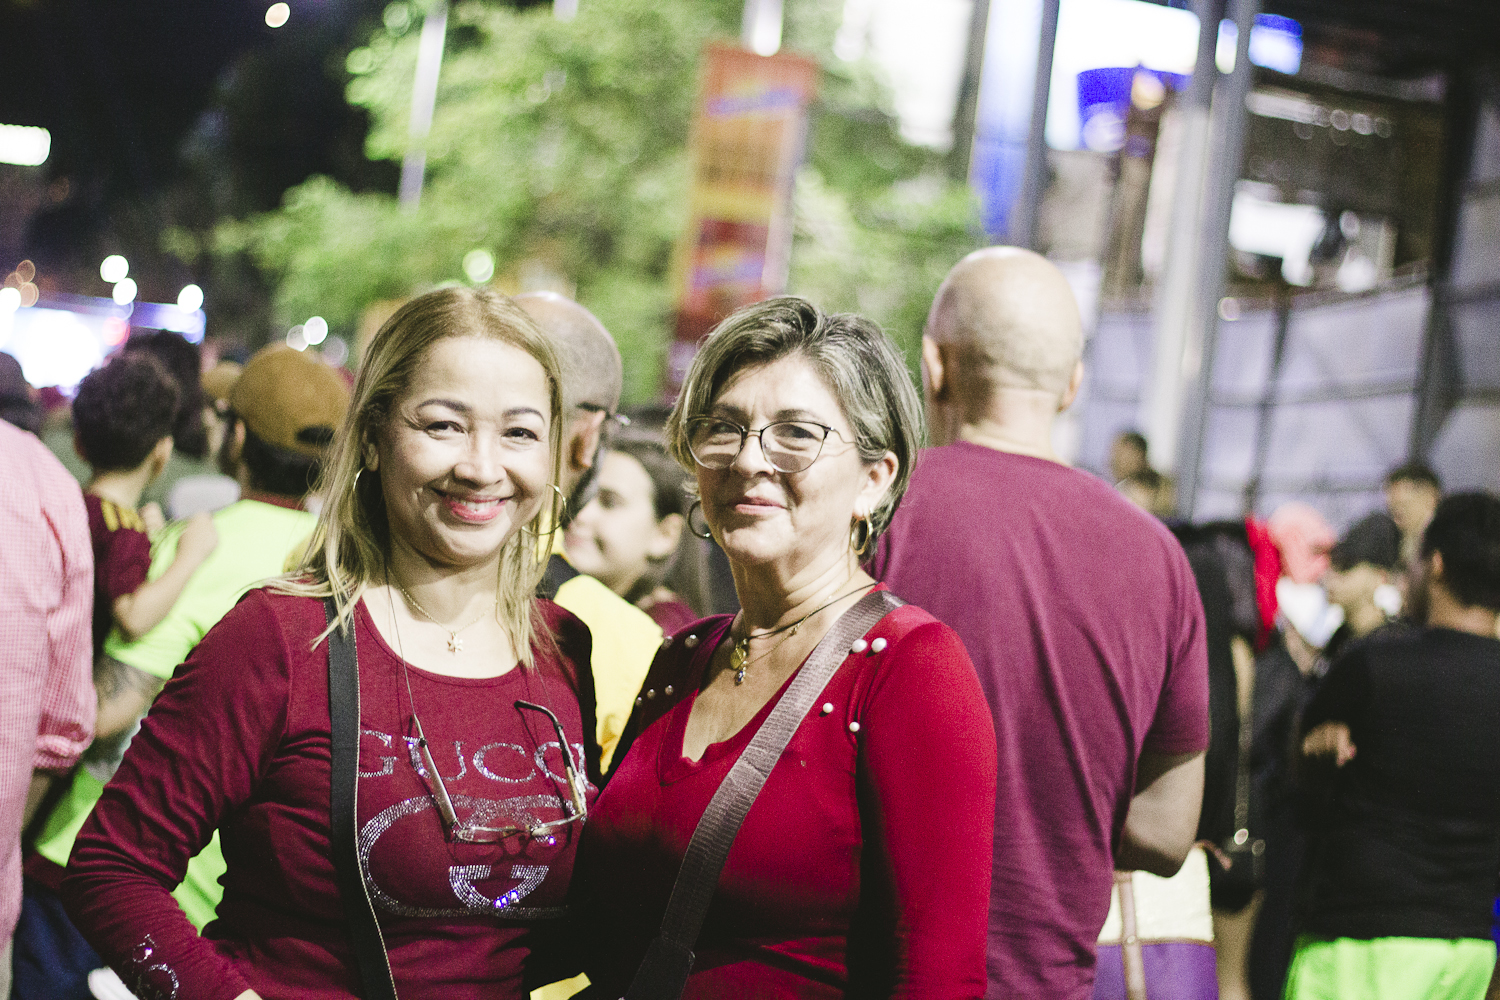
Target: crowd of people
[453, 679]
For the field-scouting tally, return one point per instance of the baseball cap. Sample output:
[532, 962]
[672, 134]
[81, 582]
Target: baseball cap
[1373, 539]
[290, 400]
[218, 382]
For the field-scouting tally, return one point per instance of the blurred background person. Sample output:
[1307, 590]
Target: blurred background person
[18, 404]
[1363, 567]
[426, 557]
[205, 492]
[47, 702]
[1400, 879]
[625, 637]
[283, 411]
[123, 417]
[630, 535]
[1412, 492]
[801, 428]
[1081, 614]
[1127, 455]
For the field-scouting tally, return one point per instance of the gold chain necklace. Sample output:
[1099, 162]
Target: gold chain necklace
[739, 656]
[455, 644]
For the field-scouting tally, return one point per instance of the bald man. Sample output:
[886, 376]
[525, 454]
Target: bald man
[625, 637]
[1079, 611]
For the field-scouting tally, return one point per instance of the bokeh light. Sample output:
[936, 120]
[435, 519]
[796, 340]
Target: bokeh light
[295, 339]
[124, 292]
[114, 268]
[315, 330]
[10, 299]
[277, 14]
[479, 265]
[190, 298]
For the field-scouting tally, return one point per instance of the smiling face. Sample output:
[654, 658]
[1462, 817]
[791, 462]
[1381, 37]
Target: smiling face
[463, 454]
[760, 515]
[616, 535]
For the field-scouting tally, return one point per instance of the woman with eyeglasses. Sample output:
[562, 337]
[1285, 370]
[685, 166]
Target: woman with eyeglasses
[470, 725]
[863, 867]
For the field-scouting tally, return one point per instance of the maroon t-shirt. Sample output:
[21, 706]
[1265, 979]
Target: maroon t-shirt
[122, 556]
[239, 741]
[861, 870]
[1083, 620]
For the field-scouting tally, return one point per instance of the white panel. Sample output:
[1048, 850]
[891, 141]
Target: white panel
[1476, 256]
[1476, 326]
[1364, 341]
[1342, 442]
[1242, 356]
[1229, 445]
[1467, 451]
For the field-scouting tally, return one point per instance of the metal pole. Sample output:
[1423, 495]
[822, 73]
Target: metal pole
[968, 94]
[1161, 402]
[1224, 171]
[1023, 227]
[423, 99]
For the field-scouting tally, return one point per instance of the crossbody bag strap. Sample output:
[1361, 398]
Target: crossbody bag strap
[664, 971]
[370, 956]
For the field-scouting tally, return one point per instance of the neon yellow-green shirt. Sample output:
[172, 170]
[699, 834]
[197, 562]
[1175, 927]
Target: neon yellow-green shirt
[256, 541]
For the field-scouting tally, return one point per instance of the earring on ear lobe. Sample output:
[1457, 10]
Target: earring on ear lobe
[860, 534]
[562, 515]
[707, 532]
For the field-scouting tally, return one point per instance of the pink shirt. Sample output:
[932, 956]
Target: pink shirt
[861, 870]
[1083, 620]
[46, 666]
[239, 741]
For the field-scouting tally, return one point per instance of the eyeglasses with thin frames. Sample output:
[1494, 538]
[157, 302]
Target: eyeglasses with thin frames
[788, 445]
[576, 804]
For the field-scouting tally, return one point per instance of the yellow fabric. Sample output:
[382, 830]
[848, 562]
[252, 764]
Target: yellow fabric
[625, 643]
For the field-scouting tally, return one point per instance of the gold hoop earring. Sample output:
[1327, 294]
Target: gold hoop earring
[562, 515]
[859, 540]
[707, 532]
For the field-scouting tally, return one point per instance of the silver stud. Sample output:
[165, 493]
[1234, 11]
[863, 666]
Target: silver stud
[651, 692]
[638, 703]
[878, 645]
[859, 646]
[827, 707]
[668, 690]
[853, 727]
[690, 642]
[666, 642]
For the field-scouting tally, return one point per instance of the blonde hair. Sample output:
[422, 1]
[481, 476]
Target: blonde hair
[351, 543]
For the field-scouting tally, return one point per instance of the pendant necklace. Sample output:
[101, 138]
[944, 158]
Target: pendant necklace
[739, 656]
[455, 644]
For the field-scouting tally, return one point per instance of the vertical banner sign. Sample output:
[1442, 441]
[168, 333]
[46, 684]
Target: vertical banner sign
[747, 140]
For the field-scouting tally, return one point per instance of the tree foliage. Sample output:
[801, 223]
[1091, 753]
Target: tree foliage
[561, 146]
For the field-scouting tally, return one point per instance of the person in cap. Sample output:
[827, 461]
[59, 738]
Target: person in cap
[1364, 566]
[625, 637]
[283, 413]
[461, 774]
[1399, 885]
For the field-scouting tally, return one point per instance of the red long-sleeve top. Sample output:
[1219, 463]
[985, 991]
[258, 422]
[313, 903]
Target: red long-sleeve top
[239, 741]
[863, 868]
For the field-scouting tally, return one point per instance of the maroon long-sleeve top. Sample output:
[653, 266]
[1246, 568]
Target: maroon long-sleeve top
[239, 741]
[863, 868]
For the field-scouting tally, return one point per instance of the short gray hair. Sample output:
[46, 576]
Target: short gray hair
[861, 366]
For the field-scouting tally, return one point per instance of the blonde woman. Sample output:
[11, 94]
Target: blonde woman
[474, 709]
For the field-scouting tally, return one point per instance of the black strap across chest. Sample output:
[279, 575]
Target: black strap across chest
[343, 708]
[664, 972]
